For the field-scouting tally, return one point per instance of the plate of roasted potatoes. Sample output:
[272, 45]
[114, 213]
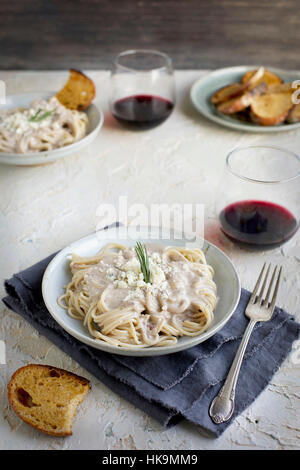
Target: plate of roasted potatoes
[250, 98]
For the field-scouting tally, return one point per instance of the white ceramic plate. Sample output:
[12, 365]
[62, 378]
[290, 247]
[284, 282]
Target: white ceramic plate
[58, 274]
[94, 114]
[203, 88]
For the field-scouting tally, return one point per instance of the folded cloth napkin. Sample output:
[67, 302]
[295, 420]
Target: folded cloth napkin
[174, 386]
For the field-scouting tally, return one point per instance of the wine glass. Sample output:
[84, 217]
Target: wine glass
[258, 197]
[142, 88]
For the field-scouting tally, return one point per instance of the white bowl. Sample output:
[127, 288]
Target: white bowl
[24, 100]
[58, 274]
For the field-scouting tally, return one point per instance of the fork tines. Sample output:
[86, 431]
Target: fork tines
[259, 298]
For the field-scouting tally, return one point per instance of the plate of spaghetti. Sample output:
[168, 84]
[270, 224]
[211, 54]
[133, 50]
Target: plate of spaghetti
[42, 127]
[151, 297]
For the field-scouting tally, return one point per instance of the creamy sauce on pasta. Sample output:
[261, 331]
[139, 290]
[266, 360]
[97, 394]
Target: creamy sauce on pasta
[46, 125]
[109, 294]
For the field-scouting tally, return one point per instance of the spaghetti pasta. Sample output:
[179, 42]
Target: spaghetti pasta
[108, 294]
[46, 125]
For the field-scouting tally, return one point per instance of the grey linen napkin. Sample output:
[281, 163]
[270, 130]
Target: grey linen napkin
[175, 386]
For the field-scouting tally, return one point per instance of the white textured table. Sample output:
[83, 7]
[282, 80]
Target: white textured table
[43, 208]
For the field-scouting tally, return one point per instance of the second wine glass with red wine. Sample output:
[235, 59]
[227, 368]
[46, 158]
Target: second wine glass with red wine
[258, 197]
[142, 88]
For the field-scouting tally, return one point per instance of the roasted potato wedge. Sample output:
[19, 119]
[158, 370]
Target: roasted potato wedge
[227, 92]
[235, 89]
[78, 92]
[261, 97]
[283, 88]
[242, 101]
[271, 109]
[269, 78]
[254, 78]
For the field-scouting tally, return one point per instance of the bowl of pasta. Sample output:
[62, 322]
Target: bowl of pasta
[152, 297]
[41, 127]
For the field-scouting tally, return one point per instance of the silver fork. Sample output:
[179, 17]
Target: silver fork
[222, 406]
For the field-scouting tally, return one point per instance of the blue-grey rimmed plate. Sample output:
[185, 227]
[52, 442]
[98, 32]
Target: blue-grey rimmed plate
[58, 274]
[203, 88]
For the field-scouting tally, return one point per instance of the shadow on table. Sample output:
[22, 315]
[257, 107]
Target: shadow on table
[214, 235]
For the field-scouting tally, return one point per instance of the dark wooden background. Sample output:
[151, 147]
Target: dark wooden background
[58, 34]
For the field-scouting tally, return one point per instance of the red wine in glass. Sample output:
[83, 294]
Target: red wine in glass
[142, 111]
[258, 224]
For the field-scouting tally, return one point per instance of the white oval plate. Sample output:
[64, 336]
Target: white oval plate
[58, 274]
[24, 100]
[203, 88]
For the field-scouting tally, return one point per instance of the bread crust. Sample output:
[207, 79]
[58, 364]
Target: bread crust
[74, 97]
[11, 388]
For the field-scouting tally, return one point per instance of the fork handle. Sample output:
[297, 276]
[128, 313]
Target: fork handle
[222, 406]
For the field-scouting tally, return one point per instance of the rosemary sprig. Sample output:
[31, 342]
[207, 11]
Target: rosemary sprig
[33, 118]
[141, 252]
[39, 117]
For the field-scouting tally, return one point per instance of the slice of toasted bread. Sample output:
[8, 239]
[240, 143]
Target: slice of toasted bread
[47, 397]
[269, 78]
[242, 101]
[78, 92]
[294, 114]
[227, 92]
[271, 109]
